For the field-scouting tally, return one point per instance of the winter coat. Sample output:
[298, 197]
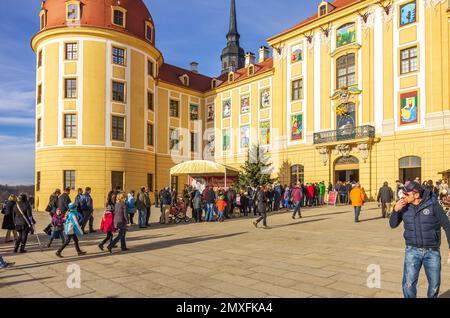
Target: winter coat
[210, 196]
[120, 215]
[52, 204]
[322, 189]
[19, 221]
[197, 202]
[140, 201]
[63, 202]
[297, 194]
[310, 191]
[221, 204]
[72, 225]
[8, 219]
[385, 194]
[357, 196]
[262, 201]
[86, 203]
[107, 224]
[58, 222]
[131, 207]
[422, 223]
[148, 203]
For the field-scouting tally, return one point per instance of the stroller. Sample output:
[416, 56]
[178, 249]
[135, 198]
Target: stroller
[177, 213]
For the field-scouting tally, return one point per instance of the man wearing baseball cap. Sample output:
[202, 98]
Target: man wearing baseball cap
[423, 218]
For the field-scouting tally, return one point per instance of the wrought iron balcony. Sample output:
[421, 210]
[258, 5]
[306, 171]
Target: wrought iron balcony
[344, 134]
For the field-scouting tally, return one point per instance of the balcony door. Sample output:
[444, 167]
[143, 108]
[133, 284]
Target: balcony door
[345, 121]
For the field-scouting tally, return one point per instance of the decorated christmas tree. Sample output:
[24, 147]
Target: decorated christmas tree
[257, 168]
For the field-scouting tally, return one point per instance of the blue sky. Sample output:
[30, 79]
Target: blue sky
[186, 31]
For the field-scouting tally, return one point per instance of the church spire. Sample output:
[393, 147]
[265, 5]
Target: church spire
[233, 56]
[233, 20]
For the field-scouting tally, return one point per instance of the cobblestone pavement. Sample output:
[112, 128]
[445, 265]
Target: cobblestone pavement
[324, 254]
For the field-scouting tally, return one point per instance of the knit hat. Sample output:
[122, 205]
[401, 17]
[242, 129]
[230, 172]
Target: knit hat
[72, 206]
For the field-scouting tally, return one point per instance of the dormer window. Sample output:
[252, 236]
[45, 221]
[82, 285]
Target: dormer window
[324, 8]
[185, 80]
[231, 77]
[119, 16]
[213, 83]
[251, 70]
[43, 18]
[73, 10]
[148, 31]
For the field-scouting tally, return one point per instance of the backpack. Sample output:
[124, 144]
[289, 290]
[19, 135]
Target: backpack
[84, 203]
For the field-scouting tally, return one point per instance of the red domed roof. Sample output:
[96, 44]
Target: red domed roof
[98, 13]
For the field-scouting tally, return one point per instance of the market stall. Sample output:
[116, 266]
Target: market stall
[203, 172]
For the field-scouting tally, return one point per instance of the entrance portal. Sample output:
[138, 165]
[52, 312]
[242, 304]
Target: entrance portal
[410, 168]
[346, 169]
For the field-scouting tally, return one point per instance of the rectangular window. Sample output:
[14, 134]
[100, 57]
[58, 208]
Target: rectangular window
[40, 58]
[194, 142]
[38, 181]
[149, 134]
[69, 179]
[148, 33]
[117, 179]
[297, 89]
[118, 18]
[150, 101]
[38, 130]
[174, 183]
[70, 88]
[70, 126]
[118, 56]
[150, 67]
[193, 110]
[118, 124]
[71, 51]
[39, 94]
[174, 139]
[118, 92]
[72, 12]
[408, 60]
[150, 182]
[174, 108]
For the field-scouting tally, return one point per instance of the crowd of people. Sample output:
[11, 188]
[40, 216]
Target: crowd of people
[68, 220]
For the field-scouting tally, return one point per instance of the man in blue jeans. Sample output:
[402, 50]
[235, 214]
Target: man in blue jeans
[423, 218]
[210, 202]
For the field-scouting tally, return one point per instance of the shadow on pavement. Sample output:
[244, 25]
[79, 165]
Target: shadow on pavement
[135, 249]
[24, 281]
[445, 294]
[372, 219]
[298, 223]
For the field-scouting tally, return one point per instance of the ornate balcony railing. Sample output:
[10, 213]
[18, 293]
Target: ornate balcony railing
[344, 134]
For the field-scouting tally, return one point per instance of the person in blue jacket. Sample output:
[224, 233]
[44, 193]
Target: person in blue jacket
[72, 230]
[423, 218]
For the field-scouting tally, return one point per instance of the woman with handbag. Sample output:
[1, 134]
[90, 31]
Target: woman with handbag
[8, 219]
[23, 220]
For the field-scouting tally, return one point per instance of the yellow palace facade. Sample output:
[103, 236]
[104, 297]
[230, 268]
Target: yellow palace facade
[359, 91]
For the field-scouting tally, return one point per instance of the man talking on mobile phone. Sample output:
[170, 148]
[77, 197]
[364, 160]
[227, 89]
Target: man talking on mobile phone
[423, 218]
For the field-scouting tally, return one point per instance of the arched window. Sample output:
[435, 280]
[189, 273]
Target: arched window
[345, 71]
[297, 174]
[410, 168]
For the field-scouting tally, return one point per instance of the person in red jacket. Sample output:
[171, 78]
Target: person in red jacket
[310, 194]
[107, 226]
[297, 195]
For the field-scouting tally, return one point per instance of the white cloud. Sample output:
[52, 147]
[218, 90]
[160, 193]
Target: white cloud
[16, 101]
[17, 160]
[17, 121]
